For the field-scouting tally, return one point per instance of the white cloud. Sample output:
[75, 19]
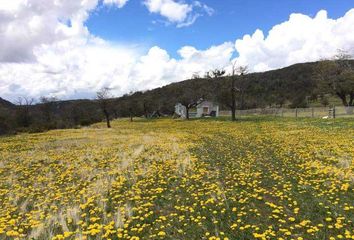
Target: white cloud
[173, 11]
[181, 13]
[28, 24]
[157, 68]
[209, 11]
[71, 68]
[300, 39]
[46, 49]
[25, 25]
[118, 3]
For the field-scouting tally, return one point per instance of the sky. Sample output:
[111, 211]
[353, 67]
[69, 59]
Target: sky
[70, 49]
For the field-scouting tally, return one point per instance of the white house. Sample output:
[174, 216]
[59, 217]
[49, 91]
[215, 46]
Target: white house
[207, 108]
[203, 109]
[181, 110]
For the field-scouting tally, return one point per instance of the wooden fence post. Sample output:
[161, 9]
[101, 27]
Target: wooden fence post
[313, 112]
[334, 111]
[296, 112]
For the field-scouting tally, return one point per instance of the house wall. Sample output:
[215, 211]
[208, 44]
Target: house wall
[181, 110]
[211, 107]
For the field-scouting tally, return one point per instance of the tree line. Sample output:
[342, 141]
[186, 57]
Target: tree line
[293, 86]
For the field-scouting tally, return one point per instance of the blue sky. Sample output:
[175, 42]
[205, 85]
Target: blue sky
[232, 20]
[72, 48]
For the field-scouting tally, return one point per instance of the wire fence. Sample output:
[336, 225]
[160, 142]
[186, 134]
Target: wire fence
[314, 112]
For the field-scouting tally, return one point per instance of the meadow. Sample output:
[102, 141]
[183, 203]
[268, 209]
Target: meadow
[258, 178]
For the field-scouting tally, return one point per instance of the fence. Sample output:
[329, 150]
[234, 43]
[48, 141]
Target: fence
[315, 112]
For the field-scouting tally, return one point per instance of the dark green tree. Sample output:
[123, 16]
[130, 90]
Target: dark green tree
[336, 76]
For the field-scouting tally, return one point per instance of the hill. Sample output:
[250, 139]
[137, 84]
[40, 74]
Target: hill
[294, 86]
[6, 104]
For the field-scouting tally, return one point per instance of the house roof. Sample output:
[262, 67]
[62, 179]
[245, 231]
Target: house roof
[206, 102]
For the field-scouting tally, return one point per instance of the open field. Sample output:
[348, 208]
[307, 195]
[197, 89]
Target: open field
[259, 178]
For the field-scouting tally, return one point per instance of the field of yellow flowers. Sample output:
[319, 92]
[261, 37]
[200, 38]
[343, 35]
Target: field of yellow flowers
[171, 179]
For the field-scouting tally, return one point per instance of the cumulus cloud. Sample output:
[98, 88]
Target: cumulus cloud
[181, 13]
[46, 49]
[28, 24]
[84, 67]
[157, 68]
[24, 25]
[68, 68]
[300, 39]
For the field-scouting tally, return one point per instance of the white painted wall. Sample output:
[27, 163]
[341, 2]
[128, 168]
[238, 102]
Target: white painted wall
[180, 110]
[211, 107]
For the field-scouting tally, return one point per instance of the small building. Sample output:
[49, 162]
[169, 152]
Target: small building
[207, 108]
[181, 110]
[203, 109]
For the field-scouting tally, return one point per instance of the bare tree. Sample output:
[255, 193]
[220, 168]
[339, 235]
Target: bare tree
[48, 107]
[236, 70]
[131, 114]
[23, 113]
[24, 101]
[342, 55]
[146, 105]
[103, 96]
[241, 71]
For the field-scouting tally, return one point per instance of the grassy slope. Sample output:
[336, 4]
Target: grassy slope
[170, 179]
